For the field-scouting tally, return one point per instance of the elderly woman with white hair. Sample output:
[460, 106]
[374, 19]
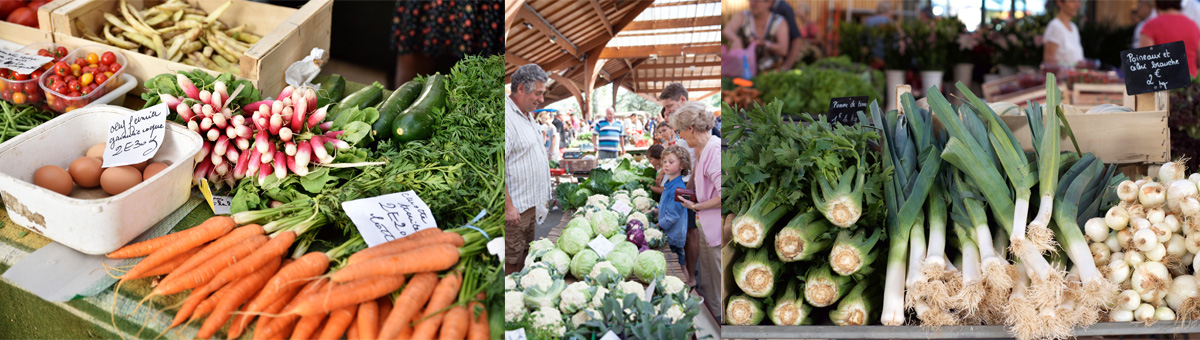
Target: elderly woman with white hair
[695, 125]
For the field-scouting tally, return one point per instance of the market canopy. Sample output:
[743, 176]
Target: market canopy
[589, 44]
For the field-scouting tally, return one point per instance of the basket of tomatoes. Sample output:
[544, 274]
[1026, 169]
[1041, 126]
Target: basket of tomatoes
[21, 88]
[83, 76]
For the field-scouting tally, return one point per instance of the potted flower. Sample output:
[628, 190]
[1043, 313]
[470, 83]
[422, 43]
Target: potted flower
[896, 57]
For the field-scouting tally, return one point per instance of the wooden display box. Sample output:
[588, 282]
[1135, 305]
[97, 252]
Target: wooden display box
[288, 35]
[1085, 96]
[25, 35]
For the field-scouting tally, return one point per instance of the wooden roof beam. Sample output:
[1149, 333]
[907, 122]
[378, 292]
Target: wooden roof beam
[658, 50]
[674, 23]
[571, 87]
[638, 7]
[710, 94]
[681, 78]
[693, 2]
[603, 17]
[511, 7]
[690, 90]
[681, 65]
[531, 16]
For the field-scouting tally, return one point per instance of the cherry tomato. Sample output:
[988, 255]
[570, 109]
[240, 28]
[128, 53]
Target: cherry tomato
[74, 86]
[70, 78]
[31, 87]
[93, 58]
[35, 97]
[108, 58]
[93, 86]
[86, 91]
[61, 88]
[62, 69]
[75, 69]
[20, 76]
[43, 52]
[19, 98]
[52, 80]
[4, 73]
[36, 74]
[101, 78]
[75, 94]
[114, 68]
[108, 74]
[79, 61]
[86, 79]
[60, 52]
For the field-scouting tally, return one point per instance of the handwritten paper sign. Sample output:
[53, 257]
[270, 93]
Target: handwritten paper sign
[22, 63]
[622, 208]
[1155, 68]
[650, 289]
[601, 245]
[844, 110]
[610, 336]
[516, 334]
[135, 138]
[389, 217]
[496, 247]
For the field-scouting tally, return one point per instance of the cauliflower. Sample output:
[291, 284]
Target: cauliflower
[643, 204]
[621, 192]
[583, 316]
[675, 313]
[630, 287]
[672, 285]
[509, 283]
[602, 268]
[549, 319]
[638, 216]
[654, 237]
[541, 244]
[574, 297]
[621, 197]
[600, 200]
[514, 306]
[597, 298]
[640, 193]
[537, 277]
[557, 259]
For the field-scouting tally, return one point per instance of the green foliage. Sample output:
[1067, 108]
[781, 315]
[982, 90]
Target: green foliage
[166, 83]
[852, 35]
[809, 89]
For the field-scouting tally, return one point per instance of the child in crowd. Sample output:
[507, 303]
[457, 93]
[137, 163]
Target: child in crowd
[655, 156]
[672, 216]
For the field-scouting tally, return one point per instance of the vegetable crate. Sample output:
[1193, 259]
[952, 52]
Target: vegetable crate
[1084, 96]
[25, 35]
[1019, 90]
[288, 35]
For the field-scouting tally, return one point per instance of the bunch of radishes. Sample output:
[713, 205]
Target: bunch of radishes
[290, 133]
[223, 128]
[1146, 243]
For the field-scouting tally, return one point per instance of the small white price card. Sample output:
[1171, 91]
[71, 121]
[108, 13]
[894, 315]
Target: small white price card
[610, 336]
[496, 247]
[22, 63]
[516, 334]
[389, 217]
[222, 205]
[622, 208]
[650, 289]
[135, 138]
[601, 245]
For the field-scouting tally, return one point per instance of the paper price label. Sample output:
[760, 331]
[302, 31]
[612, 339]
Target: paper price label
[389, 217]
[496, 247]
[135, 138]
[601, 245]
[22, 63]
[222, 205]
[516, 334]
[622, 208]
[650, 289]
[610, 336]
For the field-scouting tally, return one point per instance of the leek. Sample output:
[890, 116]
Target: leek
[743, 310]
[756, 273]
[802, 238]
[822, 287]
[851, 254]
[789, 309]
[1084, 176]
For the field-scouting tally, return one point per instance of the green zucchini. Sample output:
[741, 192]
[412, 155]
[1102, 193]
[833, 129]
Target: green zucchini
[400, 99]
[331, 90]
[366, 97]
[416, 122]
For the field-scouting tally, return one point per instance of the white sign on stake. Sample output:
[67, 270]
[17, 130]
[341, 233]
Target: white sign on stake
[389, 217]
[222, 205]
[650, 289]
[496, 247]
[135, 138]
[22, 63]
[601, 245]
[610, 336]
[516, 334]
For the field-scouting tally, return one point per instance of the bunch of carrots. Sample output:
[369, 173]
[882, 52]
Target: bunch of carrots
[240, 273]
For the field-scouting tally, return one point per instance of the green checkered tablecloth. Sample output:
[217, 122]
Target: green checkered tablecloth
[90, 317]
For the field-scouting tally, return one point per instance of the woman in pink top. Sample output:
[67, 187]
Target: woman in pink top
[695, 125]
[1170, 26]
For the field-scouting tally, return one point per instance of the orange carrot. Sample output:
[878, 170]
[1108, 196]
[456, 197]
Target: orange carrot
[150, 246]
[417, 240]
[243, 320]
[307, 326]
[237, 294]
[430, 258]
[209, 304]
[217, 247]
[338, 321]
[455, 323]
[210, 268]
[172, 264]
[346, 294]
[368, 318]
[352, 332]
[412, 298]
[385, 308]
[479, 324]
[291, 277]
[271, 251]
[407, 332]
[262, 330]
[282, 325]
[207, 231]
[443, 296]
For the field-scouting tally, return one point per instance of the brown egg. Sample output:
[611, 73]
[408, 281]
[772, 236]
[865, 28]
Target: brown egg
[54, 178]
[96, 151]
[153, 169]
[141, 166]
[116, 180]
[85, 171]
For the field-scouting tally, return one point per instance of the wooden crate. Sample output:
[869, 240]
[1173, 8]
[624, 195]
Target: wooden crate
[1085, 96]
[25, 35]
[288, 35]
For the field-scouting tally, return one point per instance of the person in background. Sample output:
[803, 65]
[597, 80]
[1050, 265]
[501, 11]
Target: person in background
[883, 16]
[654, 154]
[672, 216]
[431, 36]
[1191, 8]
[560, 127]
[551, 135]
[1170, 26]
[694, 124]
[1143, 12]
[672, 97]
[665, 135]
[608, 136]
[526, 171]
[783, 9]
[1063, 46]
[762, 30]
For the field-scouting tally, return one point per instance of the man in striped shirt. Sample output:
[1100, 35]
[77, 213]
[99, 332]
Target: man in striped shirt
[526, 171]
[608, 136]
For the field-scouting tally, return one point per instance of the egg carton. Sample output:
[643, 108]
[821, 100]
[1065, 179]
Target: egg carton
[90, 220]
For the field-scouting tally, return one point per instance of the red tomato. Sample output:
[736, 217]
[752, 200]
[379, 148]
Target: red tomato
[35, 97]
[75, 94]
[43, 52]
[36, 74]
[61, 68]
[60, 52]
[61, 88]
[114, 67]
[31, 87]
[23, 16]
[34, 5]
[20, 76]
[4, 73]
[108, 58]
[74, 85]
[80, 61]
[52, 80]
[100, 78]
[86, 91]
[7, 6]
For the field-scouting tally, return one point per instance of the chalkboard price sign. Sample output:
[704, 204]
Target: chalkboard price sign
[1155, 68]
[844, 110]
